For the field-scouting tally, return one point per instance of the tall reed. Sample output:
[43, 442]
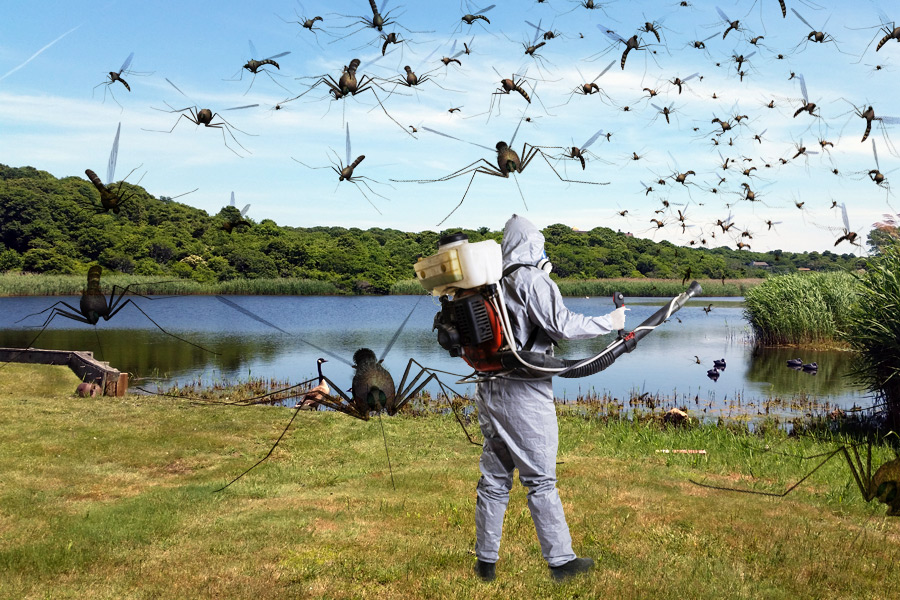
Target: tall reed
[800, 309]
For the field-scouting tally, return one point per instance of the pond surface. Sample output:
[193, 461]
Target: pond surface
[663, 364]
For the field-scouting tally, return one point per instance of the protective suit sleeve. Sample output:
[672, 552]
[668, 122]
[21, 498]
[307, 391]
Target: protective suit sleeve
[545, 309]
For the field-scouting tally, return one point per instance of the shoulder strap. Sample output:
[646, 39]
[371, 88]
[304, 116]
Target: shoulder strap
[535, 331]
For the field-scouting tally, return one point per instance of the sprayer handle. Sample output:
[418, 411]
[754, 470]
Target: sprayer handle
[618, 299]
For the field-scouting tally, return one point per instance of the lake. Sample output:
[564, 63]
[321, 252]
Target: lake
[663, 364]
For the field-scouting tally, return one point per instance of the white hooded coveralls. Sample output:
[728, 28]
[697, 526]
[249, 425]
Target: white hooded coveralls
[518, 418]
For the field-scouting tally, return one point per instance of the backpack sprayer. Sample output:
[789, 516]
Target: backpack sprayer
[473, 322]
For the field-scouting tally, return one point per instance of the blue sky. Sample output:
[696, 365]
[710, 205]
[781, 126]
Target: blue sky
[53, 54]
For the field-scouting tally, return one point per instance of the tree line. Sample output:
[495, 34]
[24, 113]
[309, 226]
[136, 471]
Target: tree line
[50, 225]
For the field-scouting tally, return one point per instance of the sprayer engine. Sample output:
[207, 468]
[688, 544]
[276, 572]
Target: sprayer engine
[469, 327]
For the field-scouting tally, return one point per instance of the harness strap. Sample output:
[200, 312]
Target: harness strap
[535, 331]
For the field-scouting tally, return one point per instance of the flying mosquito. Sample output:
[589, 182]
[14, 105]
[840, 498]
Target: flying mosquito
[847, 233]
[819, 37]
[255, 66]
[348, 85]
[579, 153]
[115, 76]
[477, 15]
[345, 173]
[807, 106]
[379, 20]
[111, 199]
[373, 389]
[234, 218]
[307, 23]
[508, 162]
[94, 306]
[588, 88]
[632, 43]
[205, 117]
[869, 116]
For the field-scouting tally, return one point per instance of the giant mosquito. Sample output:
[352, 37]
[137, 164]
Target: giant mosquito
[372, 391]
[205, 116]
[111, 199]
[345, 172]
[94, 306]
[255, 66]
[508, 162]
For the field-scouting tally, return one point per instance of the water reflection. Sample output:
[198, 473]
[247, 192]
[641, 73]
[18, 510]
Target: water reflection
[662, 364]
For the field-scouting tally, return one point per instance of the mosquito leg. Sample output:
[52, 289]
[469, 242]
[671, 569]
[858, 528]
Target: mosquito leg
[133, 303]
[461, 200]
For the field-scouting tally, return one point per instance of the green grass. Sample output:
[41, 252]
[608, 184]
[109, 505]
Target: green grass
[113, 498]
[19, 284]
[805, 309]
[630, 287]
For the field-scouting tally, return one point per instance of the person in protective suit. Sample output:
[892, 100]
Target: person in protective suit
[518, 416]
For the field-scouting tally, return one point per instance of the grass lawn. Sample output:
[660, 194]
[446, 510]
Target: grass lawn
[114, 498]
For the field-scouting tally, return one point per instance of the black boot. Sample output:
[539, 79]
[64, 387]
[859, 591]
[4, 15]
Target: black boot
[573, 567]
[485, 570]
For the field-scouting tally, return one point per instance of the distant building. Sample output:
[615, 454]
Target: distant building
[803, 269]
[760, 264]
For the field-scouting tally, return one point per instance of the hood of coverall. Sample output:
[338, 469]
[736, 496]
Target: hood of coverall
[522, 242]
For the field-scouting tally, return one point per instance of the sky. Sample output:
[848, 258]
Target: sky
[57, 114]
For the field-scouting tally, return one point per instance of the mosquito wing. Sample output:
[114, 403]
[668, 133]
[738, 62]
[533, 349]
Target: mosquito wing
[803, 87]
[484, 10]
[656, 107]
[176, 88]
[610, 33]
[458, 139]
[240, 107]
[889, 120]
[278, 55]
[592, 139]
[126, 63]
[537, 33]
[603, 72]
[348, 145]
[805, 22]
[256, 317]
[244, 210]
[844, 215]
[874, 151]
[253, 52]
[723, 15]
[399, 330]
[113, 155]
[232, 200]
[689, 77]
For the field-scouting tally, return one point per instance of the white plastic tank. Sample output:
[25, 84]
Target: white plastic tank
[460, 265]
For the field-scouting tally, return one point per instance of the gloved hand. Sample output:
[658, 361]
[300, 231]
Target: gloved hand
[618, 318]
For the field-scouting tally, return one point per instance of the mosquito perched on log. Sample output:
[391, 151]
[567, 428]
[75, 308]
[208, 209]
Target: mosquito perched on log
[205, 116]
[508, 162]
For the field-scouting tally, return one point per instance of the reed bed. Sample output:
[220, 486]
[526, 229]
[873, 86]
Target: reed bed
[27, 284]
[800, 309]
[664, 288]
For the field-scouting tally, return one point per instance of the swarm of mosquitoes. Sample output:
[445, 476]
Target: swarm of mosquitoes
[640, 83]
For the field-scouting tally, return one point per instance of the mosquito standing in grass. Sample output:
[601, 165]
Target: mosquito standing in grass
[372, 391]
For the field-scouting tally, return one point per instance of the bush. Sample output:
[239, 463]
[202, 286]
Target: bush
[873, 330]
